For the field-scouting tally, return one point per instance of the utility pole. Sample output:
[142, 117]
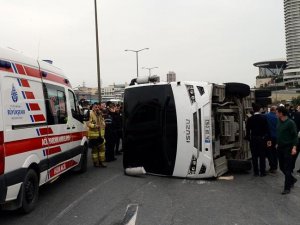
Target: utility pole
[98, 57]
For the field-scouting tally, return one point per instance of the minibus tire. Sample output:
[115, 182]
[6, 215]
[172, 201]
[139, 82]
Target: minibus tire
[239, 165]
[262, 93]
[263, 102]
[82, 167]
[30, 191]
[237, 89]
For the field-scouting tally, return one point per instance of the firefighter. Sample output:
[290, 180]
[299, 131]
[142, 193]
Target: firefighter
[96, 127]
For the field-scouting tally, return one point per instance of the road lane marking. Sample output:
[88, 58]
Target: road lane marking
[77, 201]
[226, 178]
[189, 181]
[130, 215]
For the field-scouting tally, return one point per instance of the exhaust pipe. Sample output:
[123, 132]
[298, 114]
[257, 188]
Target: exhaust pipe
[135, 171]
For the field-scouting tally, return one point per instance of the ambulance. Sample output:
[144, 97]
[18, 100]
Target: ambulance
[41, 129]
[186, 129]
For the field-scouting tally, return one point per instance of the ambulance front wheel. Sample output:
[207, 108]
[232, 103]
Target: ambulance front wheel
[30, 191]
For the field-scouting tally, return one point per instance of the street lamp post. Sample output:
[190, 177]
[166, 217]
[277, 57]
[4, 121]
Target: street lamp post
[149, 69]
[137, 58]
[98, 57]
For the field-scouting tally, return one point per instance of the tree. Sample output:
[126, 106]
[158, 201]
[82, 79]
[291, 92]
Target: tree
[296, 101]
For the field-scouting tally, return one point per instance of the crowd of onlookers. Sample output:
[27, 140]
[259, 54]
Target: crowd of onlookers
[275, 135]
[105, 132]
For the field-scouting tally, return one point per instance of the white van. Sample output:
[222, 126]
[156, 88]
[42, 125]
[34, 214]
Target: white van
[41, 129]
[186, 129]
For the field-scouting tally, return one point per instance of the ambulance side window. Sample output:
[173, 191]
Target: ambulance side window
[55, 98]
[74, 106]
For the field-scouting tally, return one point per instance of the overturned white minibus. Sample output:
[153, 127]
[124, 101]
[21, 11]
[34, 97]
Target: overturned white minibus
[186, 129]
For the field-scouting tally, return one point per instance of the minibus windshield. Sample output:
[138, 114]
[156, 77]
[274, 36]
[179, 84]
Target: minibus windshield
[150, 128]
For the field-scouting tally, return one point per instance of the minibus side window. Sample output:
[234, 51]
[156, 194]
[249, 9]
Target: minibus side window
[55, 104]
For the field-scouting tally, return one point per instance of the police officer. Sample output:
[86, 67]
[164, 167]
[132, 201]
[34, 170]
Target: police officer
[110, 133]
[96, 125]
[257, 132]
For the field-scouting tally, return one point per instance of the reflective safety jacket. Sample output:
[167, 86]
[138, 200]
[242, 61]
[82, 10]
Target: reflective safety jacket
[95, 120]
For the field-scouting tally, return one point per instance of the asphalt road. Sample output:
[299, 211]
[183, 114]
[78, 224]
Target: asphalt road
[102, 196]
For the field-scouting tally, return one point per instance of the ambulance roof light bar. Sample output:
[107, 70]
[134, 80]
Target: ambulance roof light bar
[145, 80]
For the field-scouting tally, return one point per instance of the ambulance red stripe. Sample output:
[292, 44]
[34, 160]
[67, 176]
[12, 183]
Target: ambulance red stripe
[34, 106]
[20, 69]
[32, 72]
[6, 69]
[62, 167]
[35, 72]
[57, 79]
[31, 144]
[78, 136]
[29, 95]
[21, 146]
[24, 83]
[47, 130]
[39, 118]
[54, 150]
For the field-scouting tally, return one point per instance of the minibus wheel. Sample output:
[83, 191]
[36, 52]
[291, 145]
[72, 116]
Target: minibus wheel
[262, 93]
[30, 191]
[239, 165]
[237, 89]
[263, 102]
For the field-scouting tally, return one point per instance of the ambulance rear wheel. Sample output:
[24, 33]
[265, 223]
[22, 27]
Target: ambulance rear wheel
[30, 191]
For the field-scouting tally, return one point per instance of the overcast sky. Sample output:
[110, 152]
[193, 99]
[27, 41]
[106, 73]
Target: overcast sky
[208, 40]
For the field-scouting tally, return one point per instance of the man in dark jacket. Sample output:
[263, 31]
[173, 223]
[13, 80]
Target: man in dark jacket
[287, 139]
[118, 122]
[271, 150]
[257, 132]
